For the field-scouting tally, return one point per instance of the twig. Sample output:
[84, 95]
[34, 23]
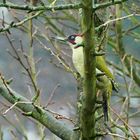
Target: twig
[117, 135]
[11, 107]
[118, 68]
[59, 116]
[135, 136]
[102, 39]
[107, 4]
[51, 95]
[15, 127]
[39, 8]
[116, 19]
[5, 84]
[18, 58]
[58, 57]
[58, 7]
[15, 25]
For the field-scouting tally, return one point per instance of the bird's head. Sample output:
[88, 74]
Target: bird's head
[75, 40]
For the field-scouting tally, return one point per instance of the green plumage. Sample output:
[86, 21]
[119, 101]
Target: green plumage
[102, 66]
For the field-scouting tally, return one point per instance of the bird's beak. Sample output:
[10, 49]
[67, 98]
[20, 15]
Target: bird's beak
[60, 39]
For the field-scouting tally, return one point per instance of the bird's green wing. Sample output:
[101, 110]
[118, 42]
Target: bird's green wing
[102, 66]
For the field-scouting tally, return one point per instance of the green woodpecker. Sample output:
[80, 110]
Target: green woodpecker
[105, 83]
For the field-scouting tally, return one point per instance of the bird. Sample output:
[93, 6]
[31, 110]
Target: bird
[105, 82]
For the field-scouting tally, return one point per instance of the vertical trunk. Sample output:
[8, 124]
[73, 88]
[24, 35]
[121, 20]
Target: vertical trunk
[87, 116]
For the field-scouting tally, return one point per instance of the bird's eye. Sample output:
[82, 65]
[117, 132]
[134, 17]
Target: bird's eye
[72, 37]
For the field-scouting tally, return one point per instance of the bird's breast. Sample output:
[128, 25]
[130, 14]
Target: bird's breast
[78, 60]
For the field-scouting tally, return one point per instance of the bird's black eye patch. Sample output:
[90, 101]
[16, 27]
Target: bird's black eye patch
[72, 37]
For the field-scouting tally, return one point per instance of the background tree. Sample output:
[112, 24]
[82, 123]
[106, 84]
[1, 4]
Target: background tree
[42, 80]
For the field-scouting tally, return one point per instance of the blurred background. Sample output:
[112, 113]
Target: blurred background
[52, 77]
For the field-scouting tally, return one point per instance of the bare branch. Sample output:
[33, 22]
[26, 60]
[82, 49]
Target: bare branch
[40, 8]
[116, 19]
[107, 4]
[51, 95]
[15, 25]
[134, 134]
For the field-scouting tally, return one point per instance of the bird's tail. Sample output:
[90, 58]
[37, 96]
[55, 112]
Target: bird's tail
[105, 106]
[105, 86]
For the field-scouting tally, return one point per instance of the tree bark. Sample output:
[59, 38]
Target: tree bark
[87, 116]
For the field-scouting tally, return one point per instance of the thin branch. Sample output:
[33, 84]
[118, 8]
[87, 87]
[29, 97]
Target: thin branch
[30, 58]
[5, 84]
[116, 19]
[52, 95]
[60, 117]
[117, 135]
[15, 25]
[14, 105]
[134, 134]
[19, 59]
[39, 8]
[107, 4]
[58, 57]
[58, 7]
[14, 125]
